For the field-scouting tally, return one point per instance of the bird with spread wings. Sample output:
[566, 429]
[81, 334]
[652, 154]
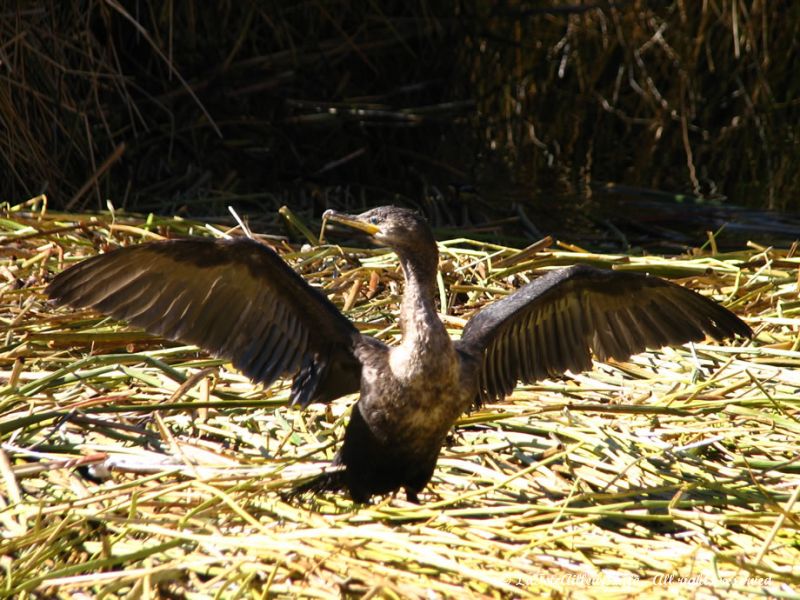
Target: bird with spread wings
[237, 299]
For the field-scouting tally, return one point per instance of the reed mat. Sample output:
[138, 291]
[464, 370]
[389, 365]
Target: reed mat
[131, 467]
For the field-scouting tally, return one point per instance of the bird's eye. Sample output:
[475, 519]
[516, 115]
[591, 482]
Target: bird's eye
[374, 220]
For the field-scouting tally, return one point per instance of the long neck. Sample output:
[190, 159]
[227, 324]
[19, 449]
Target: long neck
[419, 322]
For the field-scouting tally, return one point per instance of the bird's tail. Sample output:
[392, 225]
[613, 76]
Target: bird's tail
[328, 481]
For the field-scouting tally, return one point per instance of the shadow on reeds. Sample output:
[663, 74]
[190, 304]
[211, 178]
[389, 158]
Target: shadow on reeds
[329, 104]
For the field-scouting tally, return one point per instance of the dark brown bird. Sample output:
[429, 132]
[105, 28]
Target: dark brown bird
[238, 300]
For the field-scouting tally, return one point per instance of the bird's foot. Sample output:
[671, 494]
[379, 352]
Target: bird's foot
[412, 496]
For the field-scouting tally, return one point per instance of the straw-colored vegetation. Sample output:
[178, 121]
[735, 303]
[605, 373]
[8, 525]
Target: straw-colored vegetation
[136, 468]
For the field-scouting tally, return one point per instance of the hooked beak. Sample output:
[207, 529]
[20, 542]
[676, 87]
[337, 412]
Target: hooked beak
[349, 221]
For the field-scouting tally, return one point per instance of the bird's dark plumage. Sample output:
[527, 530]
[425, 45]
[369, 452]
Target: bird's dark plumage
[239, 300]
[234, 298]
[557, 321]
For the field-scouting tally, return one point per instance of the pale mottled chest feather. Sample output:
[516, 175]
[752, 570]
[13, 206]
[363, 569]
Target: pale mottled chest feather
[411, 398]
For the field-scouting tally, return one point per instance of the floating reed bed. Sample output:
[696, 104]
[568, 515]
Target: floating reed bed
[132, 467]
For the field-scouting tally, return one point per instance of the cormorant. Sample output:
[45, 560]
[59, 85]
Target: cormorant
[237, 299]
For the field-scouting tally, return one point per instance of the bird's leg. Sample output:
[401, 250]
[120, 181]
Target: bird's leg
[411, 496]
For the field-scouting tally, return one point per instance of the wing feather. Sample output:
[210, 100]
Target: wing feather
[557, 321]
[235, 298]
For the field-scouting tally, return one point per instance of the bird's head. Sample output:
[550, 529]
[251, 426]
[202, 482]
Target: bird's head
[401, 229]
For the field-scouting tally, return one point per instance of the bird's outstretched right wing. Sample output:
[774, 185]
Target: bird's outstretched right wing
[235, 298]
[554, 324]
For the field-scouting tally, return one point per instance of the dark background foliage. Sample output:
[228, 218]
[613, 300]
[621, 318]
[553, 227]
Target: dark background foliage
[473, 107]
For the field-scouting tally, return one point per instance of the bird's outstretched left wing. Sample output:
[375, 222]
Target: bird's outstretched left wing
[554, 324]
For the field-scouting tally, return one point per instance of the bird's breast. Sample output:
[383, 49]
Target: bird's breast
[412, 399]
[421, 361]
